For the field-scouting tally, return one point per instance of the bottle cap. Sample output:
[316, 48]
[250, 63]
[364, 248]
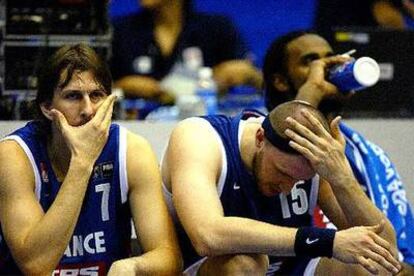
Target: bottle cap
[205, 73]
[366, 71]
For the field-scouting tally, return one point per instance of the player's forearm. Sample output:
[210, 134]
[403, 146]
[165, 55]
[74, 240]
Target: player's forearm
[358, 208]
[231, 235]
[46, 242]
[310, 93]
[160, 261]
[387, 15]
[139, 86]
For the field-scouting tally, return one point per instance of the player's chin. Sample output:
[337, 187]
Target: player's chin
[270, 191]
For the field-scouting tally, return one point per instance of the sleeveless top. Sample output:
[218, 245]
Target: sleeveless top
[103, 230]
[241, 197]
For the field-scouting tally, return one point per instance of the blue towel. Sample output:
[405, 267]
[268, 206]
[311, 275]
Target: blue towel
[382, 183]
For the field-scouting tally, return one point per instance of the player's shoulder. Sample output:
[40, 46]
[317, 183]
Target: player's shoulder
[10, 151]
[192, 132]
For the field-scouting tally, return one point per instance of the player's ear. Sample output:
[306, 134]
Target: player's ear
[260, 137]
[45, 108]
[281, 83]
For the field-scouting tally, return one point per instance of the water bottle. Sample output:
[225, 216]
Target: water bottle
[119, 105]
[190, 105]
[355, 74]
[207, 90]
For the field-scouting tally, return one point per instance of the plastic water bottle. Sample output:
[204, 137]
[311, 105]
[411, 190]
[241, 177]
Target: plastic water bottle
[190, 105]
[355, 74]
[207, 90]
[119, 105]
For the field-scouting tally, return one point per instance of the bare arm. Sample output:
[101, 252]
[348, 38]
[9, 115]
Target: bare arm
[330, 206]
[36, 239]
[326, 153]
[387, 15]
[153, 225]
[316, 88]
[237, 72]
[194, 161]
[139, 86]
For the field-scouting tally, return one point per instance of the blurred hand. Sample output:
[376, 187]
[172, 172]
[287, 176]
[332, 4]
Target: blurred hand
[236, 72]
[136, 86]
[409, 7]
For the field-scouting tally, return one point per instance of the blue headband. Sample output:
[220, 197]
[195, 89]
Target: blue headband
[275, 139]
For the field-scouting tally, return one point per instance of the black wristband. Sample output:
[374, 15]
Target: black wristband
[314, 242]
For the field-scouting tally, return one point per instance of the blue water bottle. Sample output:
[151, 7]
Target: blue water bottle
[207, 90]
[355, 74]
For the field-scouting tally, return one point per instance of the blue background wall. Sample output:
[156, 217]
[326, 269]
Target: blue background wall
[260, 21]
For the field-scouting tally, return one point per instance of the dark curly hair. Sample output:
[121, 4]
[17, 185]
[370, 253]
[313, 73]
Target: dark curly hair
[275, 62]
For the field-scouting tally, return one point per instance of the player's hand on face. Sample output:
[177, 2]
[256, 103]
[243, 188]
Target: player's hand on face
[122, 267]
[89, 139]
[362, 245]
[325, 151]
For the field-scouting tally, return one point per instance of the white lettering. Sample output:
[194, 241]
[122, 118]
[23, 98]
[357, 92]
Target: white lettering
[104, 188]
[394, 186]
[100, 242]
[90, 271]
[377, 150]
[357, 139]
[69, 272]
[384, 200]
[273, 268]
[385, 160]
[390, 172]
[399, 198]
[88, 248]
[67, 251]
[86, 271]
[93, 243]
[77, 246]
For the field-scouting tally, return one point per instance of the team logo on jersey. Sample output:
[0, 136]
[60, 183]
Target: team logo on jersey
[236, 186]
[103, 170]
[43, 172]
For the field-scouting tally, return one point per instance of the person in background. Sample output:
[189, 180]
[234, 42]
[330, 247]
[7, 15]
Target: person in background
[167, 37]
[243, 189]
[390, 14]
[294, 68]
[71, 181]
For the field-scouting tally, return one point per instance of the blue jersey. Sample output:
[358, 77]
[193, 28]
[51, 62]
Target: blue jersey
[241, 197]
[382, 184]
[103, 230]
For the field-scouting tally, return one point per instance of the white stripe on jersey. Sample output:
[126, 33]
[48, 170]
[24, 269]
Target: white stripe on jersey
[29, 154]
[123, 176]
